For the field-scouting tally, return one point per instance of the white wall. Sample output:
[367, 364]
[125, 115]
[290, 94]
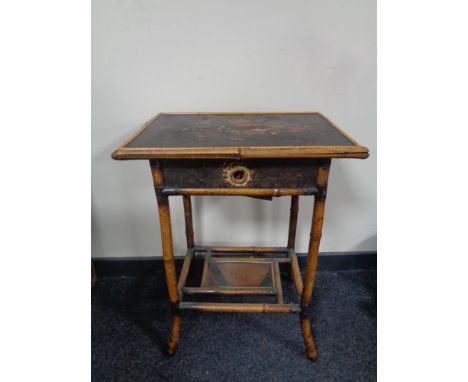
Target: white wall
[223, 55]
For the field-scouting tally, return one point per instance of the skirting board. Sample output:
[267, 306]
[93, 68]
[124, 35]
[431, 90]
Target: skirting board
[146, 266]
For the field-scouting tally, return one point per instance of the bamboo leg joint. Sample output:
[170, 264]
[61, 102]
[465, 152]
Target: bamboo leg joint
[159, 194]
[321, 195]
[175, 309]
[303, 314]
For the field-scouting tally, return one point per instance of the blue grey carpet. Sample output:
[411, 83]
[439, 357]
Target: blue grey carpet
[130, 324]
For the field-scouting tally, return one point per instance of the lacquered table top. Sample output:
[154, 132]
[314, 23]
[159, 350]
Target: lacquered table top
[239, 135]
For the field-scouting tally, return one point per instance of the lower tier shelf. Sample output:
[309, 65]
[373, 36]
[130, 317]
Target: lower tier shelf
[238, 274]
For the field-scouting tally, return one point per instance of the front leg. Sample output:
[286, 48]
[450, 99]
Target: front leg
[312, 257]
[168, 256]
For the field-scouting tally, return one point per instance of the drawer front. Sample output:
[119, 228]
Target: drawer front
[255, 173]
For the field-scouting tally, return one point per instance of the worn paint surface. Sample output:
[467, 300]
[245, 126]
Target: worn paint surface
[239, 130]
[262, 173]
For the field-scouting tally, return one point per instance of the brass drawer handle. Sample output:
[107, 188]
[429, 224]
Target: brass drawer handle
[237, 175]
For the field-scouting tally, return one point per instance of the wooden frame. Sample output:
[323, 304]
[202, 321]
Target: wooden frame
[177, 289]
[125, 153]
[254, 192]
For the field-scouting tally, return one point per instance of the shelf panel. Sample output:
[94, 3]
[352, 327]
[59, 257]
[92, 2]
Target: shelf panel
[232, 272]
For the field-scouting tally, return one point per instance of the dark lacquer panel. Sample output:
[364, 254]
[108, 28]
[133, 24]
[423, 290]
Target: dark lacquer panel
[271, 173]
[239, 130]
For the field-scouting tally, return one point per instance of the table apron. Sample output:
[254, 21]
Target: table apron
[276, 176]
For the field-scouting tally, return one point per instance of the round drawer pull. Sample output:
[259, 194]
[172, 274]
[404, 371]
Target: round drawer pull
[237, 175]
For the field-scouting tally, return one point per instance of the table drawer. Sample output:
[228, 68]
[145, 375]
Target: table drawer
[255, 173]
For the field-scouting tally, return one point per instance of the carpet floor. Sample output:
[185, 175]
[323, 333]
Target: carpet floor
[130, 325]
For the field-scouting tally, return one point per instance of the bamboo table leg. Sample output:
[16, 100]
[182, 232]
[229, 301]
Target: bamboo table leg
[292, 227]
[312, 257]
[168, 256]
[188, 221]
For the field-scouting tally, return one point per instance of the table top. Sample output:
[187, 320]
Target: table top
[240, 136]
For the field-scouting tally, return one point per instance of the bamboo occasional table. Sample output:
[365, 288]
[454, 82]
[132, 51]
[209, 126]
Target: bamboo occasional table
[261, 155]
